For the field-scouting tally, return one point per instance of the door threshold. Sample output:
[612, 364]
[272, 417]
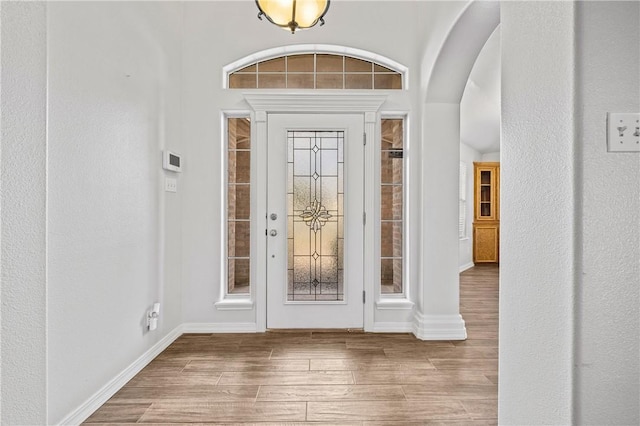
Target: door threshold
[315, 330]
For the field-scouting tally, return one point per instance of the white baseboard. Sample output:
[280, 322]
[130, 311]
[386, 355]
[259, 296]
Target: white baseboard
[220, 327]
[83, 412]
[392, 327]
[439, 327]
[467, 266]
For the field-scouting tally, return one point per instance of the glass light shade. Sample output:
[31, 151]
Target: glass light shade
[293, 14]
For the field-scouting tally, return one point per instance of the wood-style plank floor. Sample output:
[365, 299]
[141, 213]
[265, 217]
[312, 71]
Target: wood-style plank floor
[324, 377]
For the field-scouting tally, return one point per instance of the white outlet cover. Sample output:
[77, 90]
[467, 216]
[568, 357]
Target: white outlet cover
[623, 132]
[170, 185]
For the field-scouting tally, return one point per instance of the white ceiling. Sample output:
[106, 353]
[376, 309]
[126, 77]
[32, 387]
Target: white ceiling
[480, 104]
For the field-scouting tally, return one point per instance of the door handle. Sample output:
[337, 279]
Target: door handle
[273, 233]
[274, 216]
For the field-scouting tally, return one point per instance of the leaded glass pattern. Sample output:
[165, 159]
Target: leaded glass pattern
[315, 200]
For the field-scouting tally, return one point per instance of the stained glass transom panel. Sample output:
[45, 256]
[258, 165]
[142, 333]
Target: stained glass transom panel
[315, 198]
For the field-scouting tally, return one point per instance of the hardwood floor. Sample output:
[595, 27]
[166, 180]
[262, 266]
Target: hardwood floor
[327, 377]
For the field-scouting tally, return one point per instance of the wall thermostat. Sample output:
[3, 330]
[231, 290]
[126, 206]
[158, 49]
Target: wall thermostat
[171, 161]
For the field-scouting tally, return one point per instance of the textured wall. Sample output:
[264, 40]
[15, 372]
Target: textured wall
[114, 234]
[537, 214]
[23, 85]
[607, 353]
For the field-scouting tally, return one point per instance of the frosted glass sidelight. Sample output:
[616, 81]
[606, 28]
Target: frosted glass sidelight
[315, 186]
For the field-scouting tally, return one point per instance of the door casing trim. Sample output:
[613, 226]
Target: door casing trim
[307, 102]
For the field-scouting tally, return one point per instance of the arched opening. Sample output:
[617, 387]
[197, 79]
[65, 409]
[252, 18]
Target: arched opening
[439, 304]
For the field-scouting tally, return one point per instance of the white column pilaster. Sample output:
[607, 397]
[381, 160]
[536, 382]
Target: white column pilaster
[438, 315]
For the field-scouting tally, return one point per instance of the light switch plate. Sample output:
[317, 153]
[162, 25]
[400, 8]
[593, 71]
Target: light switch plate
[170, 185]
[623, 132]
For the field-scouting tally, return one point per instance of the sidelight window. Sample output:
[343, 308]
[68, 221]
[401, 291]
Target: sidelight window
[238, 205]
[392, 206]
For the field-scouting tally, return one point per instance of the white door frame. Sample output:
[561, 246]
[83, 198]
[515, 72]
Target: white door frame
[348, 311]
[307, 102]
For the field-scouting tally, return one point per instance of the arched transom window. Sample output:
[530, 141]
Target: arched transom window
[304, 70]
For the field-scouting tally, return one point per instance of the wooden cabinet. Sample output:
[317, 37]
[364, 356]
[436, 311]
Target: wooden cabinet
[486, 209]
[486, 239]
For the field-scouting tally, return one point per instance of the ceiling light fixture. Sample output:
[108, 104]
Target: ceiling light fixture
[293, 14]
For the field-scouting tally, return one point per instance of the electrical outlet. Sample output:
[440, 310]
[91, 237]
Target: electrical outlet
[170, 185]
[623, 132]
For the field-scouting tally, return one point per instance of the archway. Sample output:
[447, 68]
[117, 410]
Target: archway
[438, 314]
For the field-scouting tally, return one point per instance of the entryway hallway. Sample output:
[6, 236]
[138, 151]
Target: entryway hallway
[325, 376]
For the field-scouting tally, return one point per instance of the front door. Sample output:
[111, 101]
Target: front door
[315, 221]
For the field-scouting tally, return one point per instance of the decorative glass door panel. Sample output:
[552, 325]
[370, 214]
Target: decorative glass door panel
[315, 192]
[486, 193]
[314, 221]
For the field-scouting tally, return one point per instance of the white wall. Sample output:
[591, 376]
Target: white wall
[491, 156]
[23, 200]
[608, 317]
[537, 273]
[113, 233]
[537, 238]
[569, 279]
[468, 155]
[480, 104]
[207, 48]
